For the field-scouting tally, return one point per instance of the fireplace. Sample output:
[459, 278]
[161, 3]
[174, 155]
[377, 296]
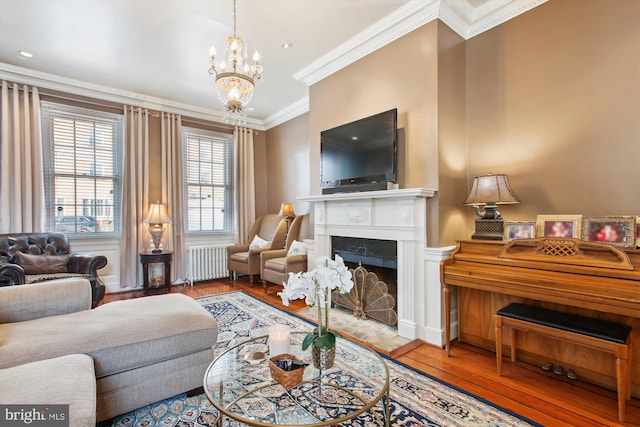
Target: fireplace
[399, 216]
[370, 252]
[376, 256]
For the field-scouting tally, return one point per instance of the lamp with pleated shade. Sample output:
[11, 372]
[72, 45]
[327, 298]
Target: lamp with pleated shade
[490, 191]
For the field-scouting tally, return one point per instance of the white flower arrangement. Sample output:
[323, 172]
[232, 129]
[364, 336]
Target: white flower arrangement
[314, 285]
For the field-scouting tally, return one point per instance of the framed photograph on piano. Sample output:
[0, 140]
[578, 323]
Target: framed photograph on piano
[620, 231]
[519, 230]
[638, 232]
[559, 226]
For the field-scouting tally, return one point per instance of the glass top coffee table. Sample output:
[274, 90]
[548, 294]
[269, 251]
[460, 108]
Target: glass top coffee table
[356, 385]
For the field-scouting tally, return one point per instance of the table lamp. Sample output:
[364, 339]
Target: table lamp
[156, 217]
[490, 191]
[286, 210]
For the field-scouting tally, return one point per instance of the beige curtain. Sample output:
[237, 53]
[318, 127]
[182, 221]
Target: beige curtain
[135, 237]
[246, 192]
[172, 191]
[22, 206]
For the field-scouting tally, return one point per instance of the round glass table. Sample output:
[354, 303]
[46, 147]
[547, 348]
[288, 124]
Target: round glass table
[356, 386]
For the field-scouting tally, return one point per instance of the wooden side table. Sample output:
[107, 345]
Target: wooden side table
[156, 271]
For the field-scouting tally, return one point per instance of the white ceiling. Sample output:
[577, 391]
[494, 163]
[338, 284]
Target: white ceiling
[154, 52]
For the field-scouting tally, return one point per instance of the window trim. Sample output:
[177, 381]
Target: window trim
[52, 109]
[229, 213]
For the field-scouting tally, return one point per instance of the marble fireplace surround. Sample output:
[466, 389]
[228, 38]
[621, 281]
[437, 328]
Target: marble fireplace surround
[399, 215]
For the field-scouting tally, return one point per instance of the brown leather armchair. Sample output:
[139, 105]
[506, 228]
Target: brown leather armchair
[36, 257]
[275, 265]
[245, 260]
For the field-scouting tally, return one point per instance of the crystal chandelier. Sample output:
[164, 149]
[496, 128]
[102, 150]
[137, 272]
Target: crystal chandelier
[235, 77]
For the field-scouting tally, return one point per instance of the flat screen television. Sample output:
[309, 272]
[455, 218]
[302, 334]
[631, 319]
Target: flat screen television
[361, 155]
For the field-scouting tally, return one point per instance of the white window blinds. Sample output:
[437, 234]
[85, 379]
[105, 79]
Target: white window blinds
[208, 168]
[82, 169]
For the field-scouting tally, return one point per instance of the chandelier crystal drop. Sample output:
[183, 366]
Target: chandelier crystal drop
[235, 78]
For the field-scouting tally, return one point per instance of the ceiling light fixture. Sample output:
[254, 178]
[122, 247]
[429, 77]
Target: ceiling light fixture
[235, 78]
[25, 55]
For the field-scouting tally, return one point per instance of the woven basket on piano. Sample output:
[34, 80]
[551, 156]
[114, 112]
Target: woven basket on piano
[287, 379]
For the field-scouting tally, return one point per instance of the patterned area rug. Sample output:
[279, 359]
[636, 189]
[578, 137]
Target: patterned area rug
[416, 399]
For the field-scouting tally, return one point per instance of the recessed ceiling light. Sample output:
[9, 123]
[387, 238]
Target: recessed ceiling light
[25, 55]
[287, 45]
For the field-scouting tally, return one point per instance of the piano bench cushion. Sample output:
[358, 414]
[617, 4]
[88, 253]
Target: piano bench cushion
[596, 328]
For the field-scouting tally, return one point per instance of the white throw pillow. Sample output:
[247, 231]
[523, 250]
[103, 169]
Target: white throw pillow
[296, 248]
[259, 243]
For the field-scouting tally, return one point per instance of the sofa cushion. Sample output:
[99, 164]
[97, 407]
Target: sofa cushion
[66, 380]
[120, 335]
[40, 264]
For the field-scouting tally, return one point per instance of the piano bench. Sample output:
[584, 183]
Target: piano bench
[598, 334]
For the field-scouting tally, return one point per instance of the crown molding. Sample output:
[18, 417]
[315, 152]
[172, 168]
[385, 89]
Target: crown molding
[407, 18]
[459, 15]
[291, 112]
[489, 16]
[55, 82]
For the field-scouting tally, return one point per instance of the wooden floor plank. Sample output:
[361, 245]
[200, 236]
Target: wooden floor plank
[527, 390]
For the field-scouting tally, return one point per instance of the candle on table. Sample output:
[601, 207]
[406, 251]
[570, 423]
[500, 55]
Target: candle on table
[278, 339]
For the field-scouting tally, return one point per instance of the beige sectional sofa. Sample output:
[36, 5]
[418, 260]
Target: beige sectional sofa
[65, 380]
[143, 350]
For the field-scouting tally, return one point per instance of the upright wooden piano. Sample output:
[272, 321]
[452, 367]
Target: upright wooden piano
[587, 278]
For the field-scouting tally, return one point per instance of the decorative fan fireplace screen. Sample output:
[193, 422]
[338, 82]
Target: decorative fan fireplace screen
[369, 298]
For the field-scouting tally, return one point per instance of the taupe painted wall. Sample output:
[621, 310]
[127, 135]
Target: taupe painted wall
[448, 223]
[551, 98]
[554, 102]
[260, 172]
[288, 164]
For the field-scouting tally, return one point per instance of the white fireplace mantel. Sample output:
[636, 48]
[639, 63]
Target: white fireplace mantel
[399, 215]
[382, 194]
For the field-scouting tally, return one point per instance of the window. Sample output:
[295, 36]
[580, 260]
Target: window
[82, 169]
[208, 170]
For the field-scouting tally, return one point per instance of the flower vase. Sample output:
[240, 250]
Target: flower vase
[323, 358]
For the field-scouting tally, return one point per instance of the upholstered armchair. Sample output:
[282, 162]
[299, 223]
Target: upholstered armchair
[268, 232]
[36, 257]
[275, 265]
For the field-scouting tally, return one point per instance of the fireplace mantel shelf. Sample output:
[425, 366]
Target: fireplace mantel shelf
[381, 194]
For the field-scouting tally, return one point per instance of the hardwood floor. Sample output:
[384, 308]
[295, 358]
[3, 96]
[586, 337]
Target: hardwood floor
[543, 397]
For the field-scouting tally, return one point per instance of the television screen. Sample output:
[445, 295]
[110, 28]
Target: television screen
[360, 155]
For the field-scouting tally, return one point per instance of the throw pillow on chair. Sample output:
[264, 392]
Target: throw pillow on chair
[296, 248]
[259, 243]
